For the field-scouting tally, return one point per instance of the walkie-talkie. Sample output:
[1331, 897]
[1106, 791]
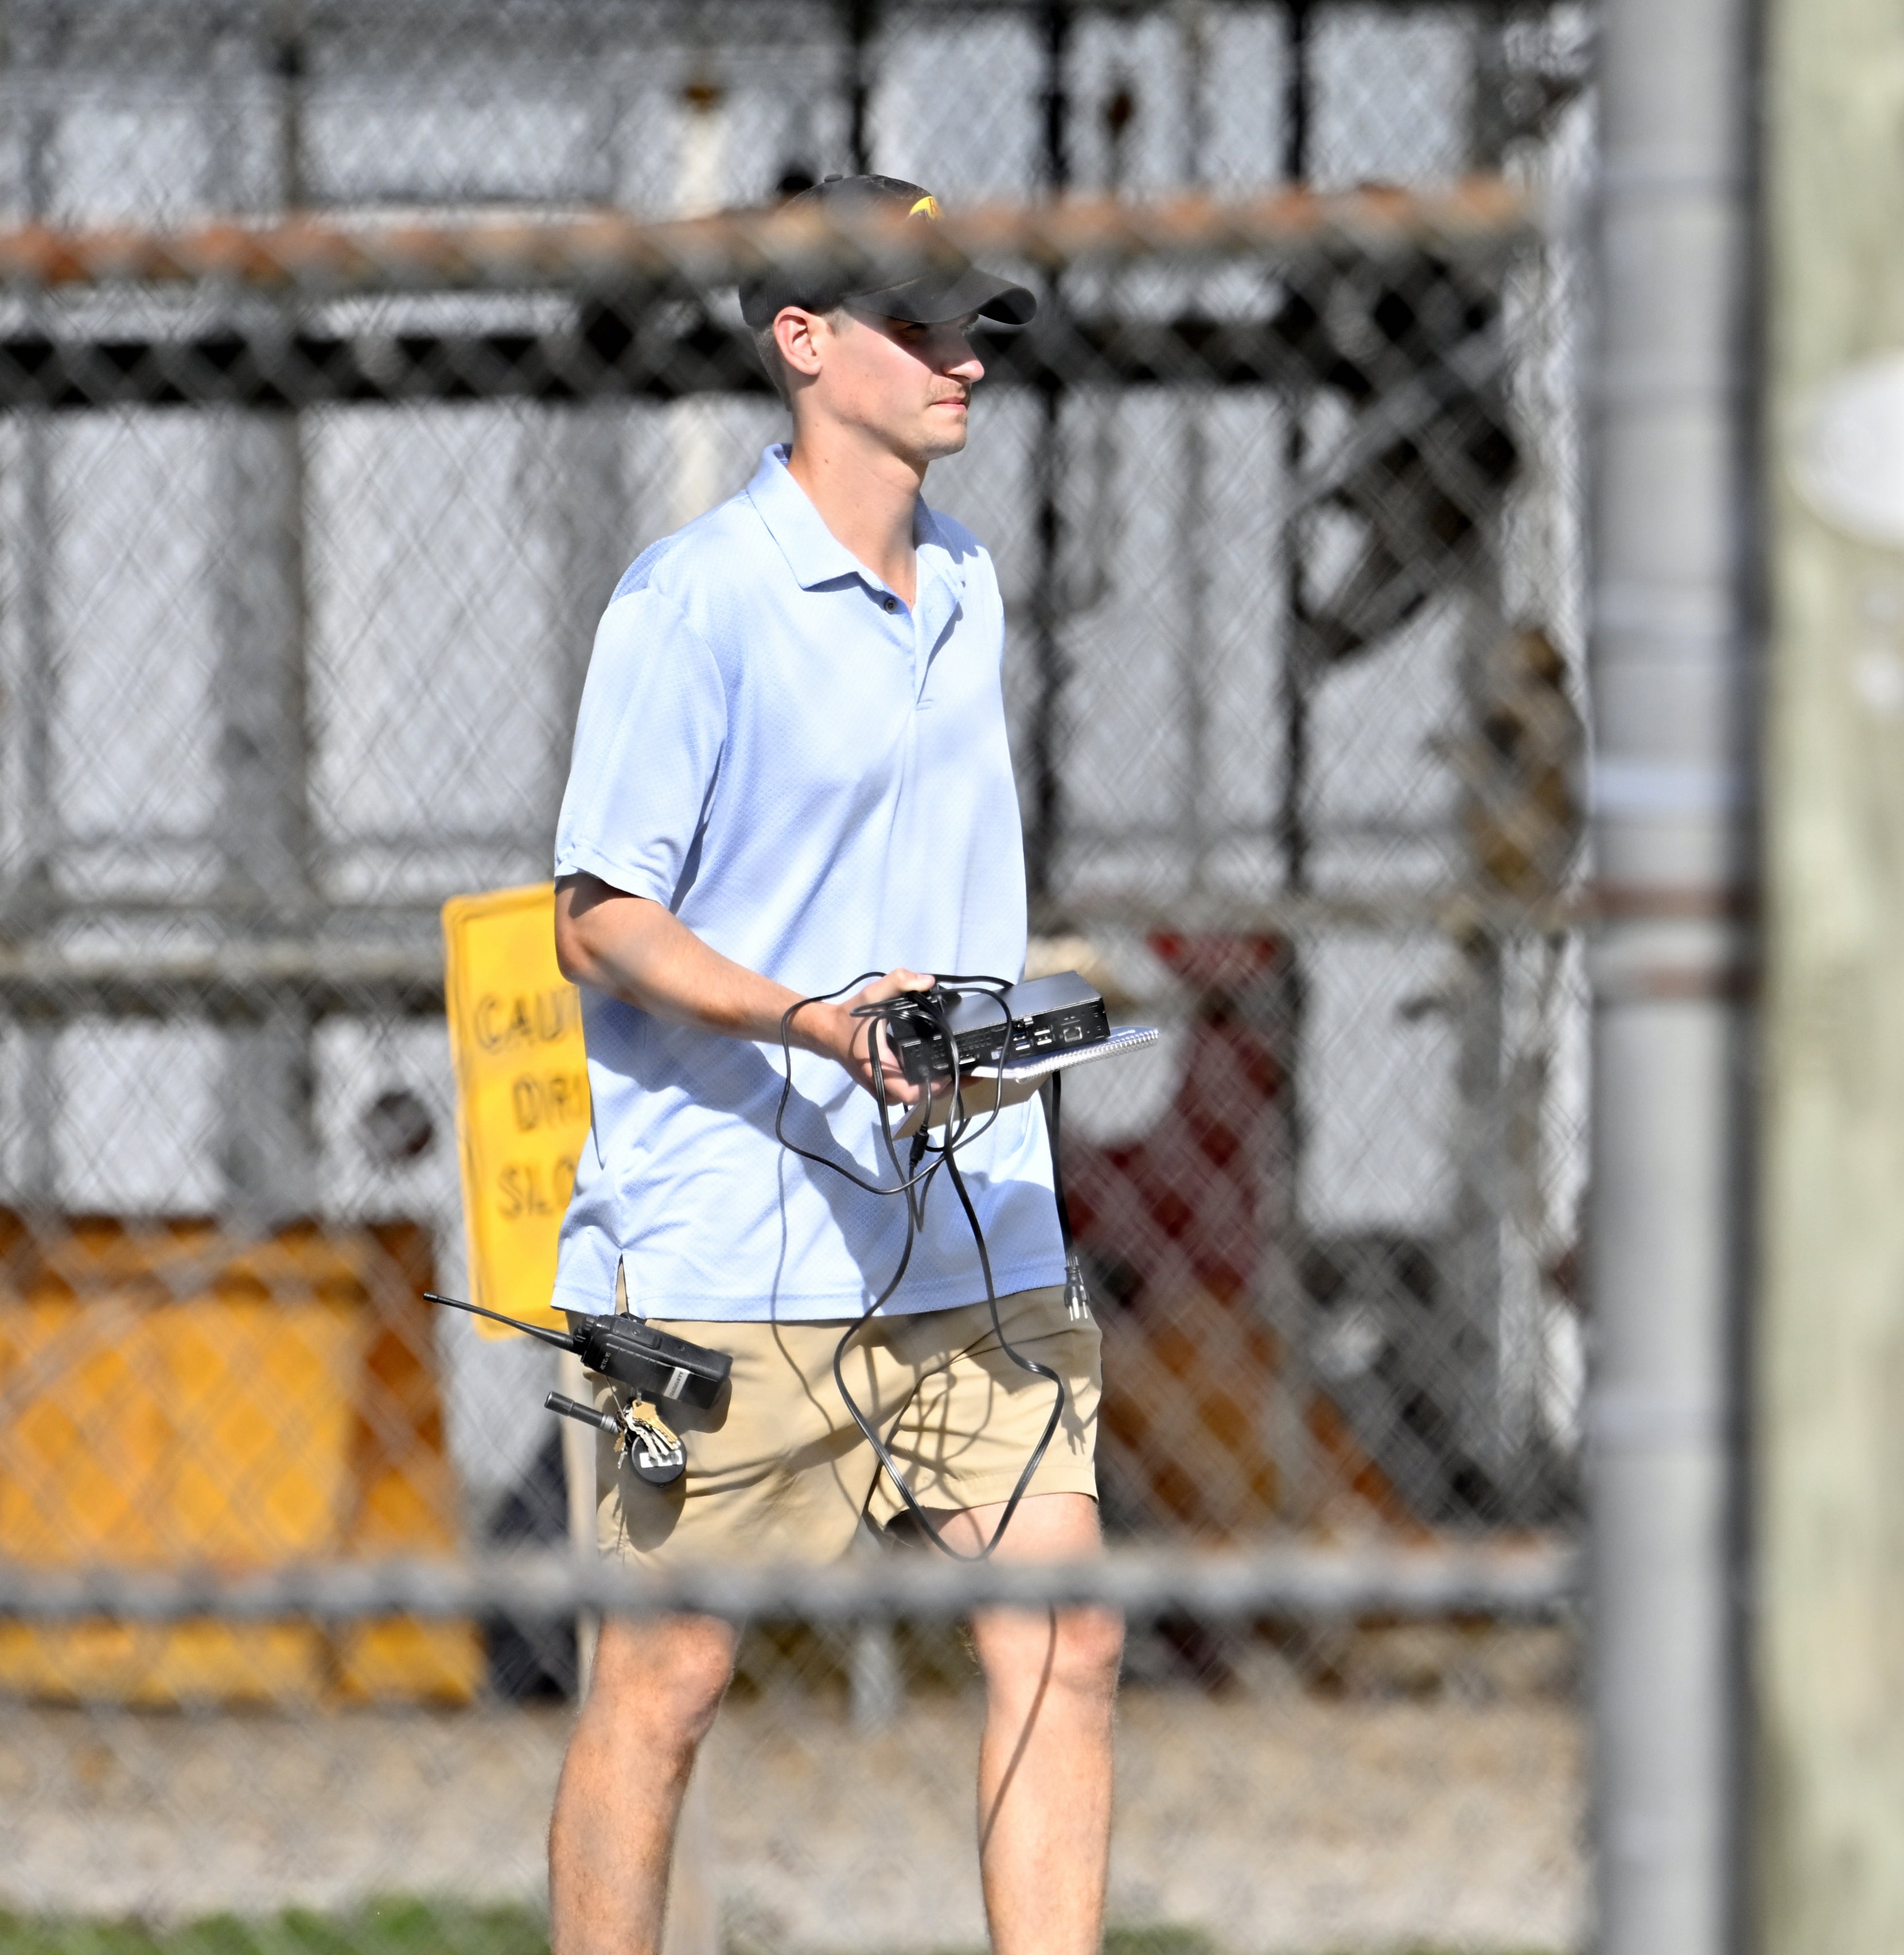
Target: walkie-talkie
[649, 1361]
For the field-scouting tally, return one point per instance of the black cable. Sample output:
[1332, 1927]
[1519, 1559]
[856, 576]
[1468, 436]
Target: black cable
[1076, 1298]
[1054, 1099]
[880, 1010]
[884, 1012]
[955, 1136]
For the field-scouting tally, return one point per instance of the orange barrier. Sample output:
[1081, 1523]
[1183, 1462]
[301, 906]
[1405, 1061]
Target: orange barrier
[169, 1398]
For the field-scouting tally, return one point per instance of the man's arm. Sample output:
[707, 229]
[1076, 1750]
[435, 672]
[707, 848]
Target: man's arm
[640, 952]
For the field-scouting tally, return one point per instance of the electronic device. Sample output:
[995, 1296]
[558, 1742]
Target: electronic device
[653, 1364]
[1007, 1041]
[984, 1090]
[1040, 1015]
[1004, 1042]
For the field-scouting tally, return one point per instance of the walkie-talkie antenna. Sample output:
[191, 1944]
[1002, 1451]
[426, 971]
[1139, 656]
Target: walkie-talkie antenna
[562, 1341]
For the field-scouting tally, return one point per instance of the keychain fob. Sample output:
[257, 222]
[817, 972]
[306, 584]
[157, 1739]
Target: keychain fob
[656, 1456]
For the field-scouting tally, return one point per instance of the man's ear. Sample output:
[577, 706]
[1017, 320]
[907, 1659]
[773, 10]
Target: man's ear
[798, 333]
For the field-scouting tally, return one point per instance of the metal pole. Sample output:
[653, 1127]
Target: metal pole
[1479, 1305]
[1828, 1614]
[1472, 1300]
[29, 903]
[1283, 993]
[1670, 678]
[269, 1148]
[1195, 681]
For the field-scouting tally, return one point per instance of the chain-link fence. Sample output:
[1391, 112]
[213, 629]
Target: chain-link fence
[310, 513]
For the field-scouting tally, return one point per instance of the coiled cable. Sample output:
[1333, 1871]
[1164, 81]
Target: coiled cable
[913, 1185]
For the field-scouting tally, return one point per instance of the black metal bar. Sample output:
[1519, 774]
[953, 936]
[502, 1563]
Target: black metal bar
[1280, 1004]
[861, 22]
[1297, 94]
[606, 359]
[1056, 97]
[1045, 814]
[1298, 650]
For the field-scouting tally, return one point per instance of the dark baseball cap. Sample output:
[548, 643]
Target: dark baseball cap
[947, 292]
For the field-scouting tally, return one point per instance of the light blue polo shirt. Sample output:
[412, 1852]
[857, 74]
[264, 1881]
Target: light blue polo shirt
[815, 780]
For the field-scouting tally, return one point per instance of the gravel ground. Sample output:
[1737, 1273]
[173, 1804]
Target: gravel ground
[1278, 1822]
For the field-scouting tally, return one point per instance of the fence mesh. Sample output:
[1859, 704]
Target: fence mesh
[299, 571]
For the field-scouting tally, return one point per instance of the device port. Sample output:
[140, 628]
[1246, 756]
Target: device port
[1072, 1034]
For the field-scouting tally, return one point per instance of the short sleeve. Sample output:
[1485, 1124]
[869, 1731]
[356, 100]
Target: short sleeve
[648, 743]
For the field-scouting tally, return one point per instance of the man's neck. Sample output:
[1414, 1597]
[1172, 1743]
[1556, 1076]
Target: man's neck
[868, 498]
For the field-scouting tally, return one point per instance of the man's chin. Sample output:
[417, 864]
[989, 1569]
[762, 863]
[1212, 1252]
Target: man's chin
[946, 437]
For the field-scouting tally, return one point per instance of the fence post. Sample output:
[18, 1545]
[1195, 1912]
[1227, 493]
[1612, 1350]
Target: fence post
[1672, 843]
[268, 1147]
[1829, 1498]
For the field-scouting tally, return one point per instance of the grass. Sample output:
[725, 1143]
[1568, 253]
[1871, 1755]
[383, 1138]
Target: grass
[422, 1927]
[384, 1928]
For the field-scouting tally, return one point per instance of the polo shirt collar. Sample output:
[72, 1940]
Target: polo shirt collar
[816, 556]
[813, 553]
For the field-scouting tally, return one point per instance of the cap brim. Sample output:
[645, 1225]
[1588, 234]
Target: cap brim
[935, 297]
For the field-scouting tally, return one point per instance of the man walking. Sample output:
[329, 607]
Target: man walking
[791, 767]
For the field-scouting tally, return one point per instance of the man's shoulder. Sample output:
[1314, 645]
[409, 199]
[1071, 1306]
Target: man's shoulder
[958, 542]
[704, 556]
[711, 579]
[971, 565]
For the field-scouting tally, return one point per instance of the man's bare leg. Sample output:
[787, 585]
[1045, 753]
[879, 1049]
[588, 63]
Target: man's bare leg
[1044, 1765]
[656, 1688]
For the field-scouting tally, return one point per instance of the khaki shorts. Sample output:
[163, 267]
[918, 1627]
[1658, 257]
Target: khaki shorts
[777, 1471]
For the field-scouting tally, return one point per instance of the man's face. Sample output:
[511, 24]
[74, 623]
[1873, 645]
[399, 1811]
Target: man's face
[909, 387]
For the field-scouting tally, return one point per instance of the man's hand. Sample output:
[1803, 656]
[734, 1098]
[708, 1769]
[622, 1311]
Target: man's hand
[638, 950]
[855, 1041]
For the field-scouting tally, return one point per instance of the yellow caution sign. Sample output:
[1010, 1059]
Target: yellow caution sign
[522, 1108]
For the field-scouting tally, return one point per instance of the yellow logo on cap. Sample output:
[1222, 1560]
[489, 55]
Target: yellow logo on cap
[926, 206]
